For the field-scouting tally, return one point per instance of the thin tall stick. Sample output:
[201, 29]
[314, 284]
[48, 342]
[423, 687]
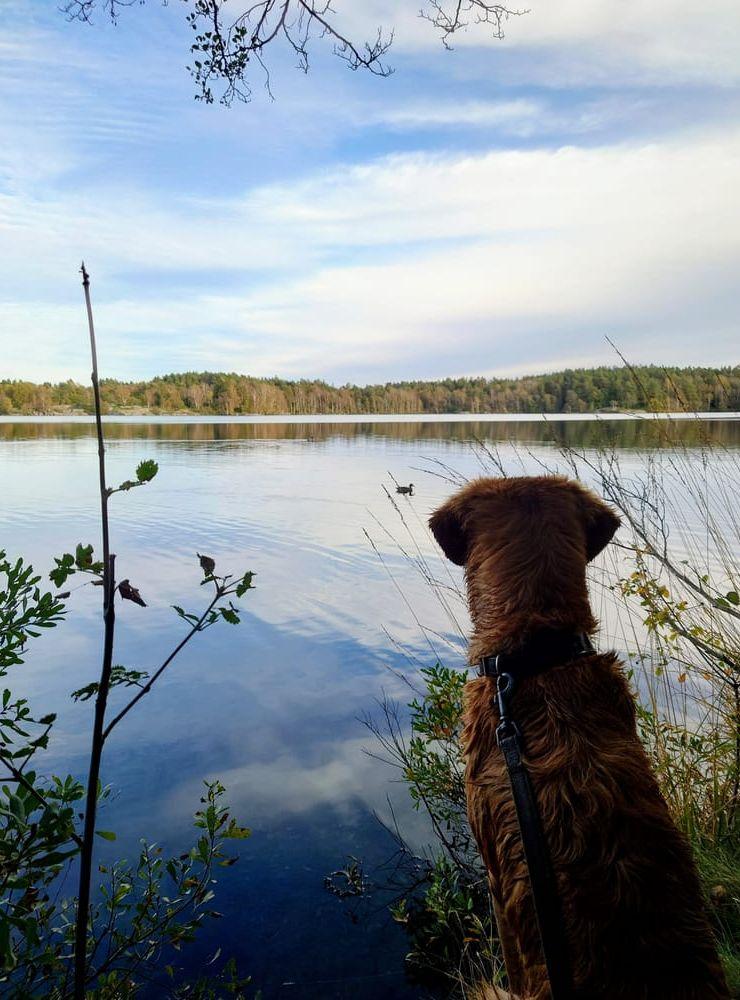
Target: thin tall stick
[109, 617]
[98, 418]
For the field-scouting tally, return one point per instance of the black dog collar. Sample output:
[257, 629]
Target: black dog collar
[540, 651]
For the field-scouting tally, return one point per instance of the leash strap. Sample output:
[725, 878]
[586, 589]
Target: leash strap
[541, 877]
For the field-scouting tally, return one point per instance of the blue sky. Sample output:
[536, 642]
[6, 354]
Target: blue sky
[498, 209]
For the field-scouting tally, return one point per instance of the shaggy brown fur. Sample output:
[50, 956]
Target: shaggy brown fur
[632, 906]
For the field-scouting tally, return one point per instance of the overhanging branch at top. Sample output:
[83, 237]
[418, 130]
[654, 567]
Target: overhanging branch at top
[225, 48]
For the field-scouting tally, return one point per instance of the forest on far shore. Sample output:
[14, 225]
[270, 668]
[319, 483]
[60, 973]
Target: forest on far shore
[572, 391]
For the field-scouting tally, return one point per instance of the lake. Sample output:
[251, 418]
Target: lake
[272, 707]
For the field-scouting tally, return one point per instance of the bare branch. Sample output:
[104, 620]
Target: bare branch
[223, 50]
[83, 10]
[451, 18]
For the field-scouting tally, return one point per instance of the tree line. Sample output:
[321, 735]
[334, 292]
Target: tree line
[570, 391]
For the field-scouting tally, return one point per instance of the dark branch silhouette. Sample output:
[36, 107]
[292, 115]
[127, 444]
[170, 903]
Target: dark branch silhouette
[451, 18]
[224, 50]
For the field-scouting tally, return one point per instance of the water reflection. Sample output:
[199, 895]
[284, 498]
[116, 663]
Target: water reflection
[626, 433]
[270, 707]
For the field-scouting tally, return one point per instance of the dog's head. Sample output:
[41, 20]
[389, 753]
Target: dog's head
[533, 518]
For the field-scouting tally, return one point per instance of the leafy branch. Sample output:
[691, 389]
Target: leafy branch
[138, 924]
[145, 472]
[223, 587]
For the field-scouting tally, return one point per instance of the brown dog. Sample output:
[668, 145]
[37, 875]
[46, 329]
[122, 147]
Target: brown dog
[634, 917]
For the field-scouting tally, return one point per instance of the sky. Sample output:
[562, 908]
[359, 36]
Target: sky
[498, 209]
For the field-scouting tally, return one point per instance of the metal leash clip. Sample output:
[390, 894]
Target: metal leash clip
[504, 691]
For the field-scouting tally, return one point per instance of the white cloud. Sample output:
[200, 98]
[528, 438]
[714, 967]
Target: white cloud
[483, 262]
[416, 263]
[519, 116]
[577, 41]
[289, 785]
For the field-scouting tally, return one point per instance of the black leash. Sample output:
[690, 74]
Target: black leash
[543, 651]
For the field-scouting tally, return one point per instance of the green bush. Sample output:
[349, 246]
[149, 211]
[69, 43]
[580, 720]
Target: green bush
[143, 911]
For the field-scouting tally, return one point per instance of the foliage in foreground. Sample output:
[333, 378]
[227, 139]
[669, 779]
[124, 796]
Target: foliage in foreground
[88, 947]
[447, 914]
[145, 911]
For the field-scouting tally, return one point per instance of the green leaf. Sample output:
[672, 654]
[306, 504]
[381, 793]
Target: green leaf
[85, 693]
[83, 556]
[146, 470]
[16, 806]
[185, 615]
[106, 834]
[733, 597]
[7, 955]
[64, 567]
[244, 584]
[235, 832]
[121, 675]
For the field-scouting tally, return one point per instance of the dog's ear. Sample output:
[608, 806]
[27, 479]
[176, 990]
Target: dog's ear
[447, 527]
[601, 523]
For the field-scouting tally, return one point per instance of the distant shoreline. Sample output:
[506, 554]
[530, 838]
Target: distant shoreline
[362, 418]
[618, 393]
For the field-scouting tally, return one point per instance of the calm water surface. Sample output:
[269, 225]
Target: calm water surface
[270, 707]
